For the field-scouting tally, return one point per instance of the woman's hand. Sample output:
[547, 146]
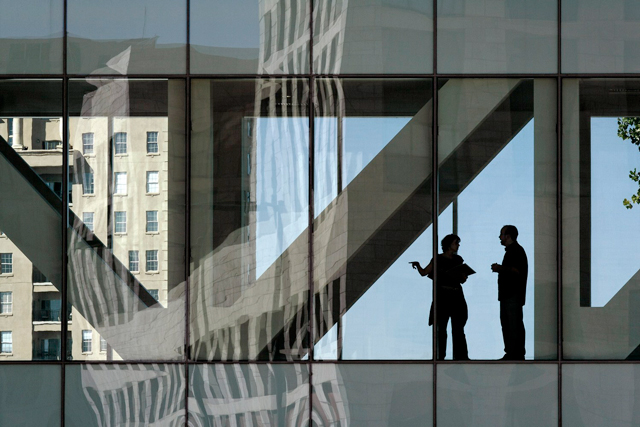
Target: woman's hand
[415, 265]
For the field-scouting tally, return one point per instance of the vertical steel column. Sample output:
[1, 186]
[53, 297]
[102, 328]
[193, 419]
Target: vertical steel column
[559, 248]
[65, 216]
[187, 218]
[434, 208]
[311, 298]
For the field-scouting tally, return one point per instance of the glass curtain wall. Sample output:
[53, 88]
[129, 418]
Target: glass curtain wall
[319, 213]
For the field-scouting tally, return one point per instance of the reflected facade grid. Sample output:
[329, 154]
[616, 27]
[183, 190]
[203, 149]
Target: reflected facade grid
[320, 213]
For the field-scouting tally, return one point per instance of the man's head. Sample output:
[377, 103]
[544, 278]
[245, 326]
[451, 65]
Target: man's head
[508, 235]
[449, 240]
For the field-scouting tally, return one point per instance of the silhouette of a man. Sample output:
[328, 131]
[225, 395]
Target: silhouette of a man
[512, 288]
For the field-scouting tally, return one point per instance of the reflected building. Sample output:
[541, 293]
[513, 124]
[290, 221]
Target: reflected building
[106, 156]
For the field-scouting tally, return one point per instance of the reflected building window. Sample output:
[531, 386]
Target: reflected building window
[6, 263]
[87, 143]
[121, 142]
[121, 222]
[134, 261]
[87, 183]
[152, 182]
[153, 293]
[121, 183]
[87, 218]
[152, 221]
[6, 302]
[86, 341]
[103, 345]
[152, 260]
[152, 142]
[52, 145]
[6, 342]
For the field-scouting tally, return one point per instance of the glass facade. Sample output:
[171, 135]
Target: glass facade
[320, 213]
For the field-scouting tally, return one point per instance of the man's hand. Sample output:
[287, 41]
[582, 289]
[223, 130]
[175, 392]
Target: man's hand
[495, 267]
[415, 264]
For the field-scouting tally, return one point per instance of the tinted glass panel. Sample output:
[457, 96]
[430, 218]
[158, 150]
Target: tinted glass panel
[497, 154]
[600, 395]
[250, 37]
[600, 37]
[250, 213]
[101, 395]
[497, 395]
[31, 37]
[265, 394]
[106, 296]
[503, 36]
[601, 273]
[364, 395]
[31, 219]
[30, 395]
[372, 218]
[357, 36]
[125, 37]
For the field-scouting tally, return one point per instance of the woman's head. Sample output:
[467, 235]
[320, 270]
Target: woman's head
[449, 240]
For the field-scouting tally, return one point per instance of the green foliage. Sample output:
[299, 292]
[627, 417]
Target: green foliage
[629, 129]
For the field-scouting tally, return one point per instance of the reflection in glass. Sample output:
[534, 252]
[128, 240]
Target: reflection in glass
[107, 286]
[110, 395]
[247, 394]
[372, 218]
[497, 395]
[600, 37]
[385, 395]
[382, 37]
[249, 37]
[600, 395]
[30, 219]
[31, 37]
[502, 36]
[250, 213]
[30, 395]
[497, 154]
[126, 37]
[601, 277]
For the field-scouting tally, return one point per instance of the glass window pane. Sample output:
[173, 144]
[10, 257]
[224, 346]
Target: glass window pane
[600, 37]
[497, 395]
[501, 36]
[382, 37]
[152, 142]
[366, 395]
[30, 216]
[497, 154]
[249, 213]
[140, 37]
[249, 37]
[249, 394]
[600, 395]
[30, 395]
[372, 218]
[107, 298]
[99, 395]
[601, 269]
[31, 37]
